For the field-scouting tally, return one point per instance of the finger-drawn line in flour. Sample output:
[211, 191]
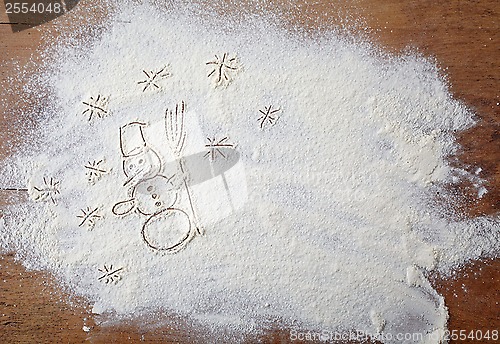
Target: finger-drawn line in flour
[267, 116]
[174, 128]
[110, 275]
[149, 197]
[176, 137]
[88, 217]
[214, 147]
[152, 194]
[223, 69]
[96, 107]
[179, 242]
[95, 170]
[152, 78]
[140, 161]
[14, 189]
[168, 228]
[49, 191]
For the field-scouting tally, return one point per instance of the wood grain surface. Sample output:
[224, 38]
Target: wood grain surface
[462, 36]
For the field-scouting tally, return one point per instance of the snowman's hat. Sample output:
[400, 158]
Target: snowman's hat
[132, 140]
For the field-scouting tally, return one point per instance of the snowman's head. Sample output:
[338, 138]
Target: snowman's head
[155, 195]
[144, 165]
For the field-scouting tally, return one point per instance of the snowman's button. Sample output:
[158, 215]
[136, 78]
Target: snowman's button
[158, 204]
[155, 196]
[150, 188]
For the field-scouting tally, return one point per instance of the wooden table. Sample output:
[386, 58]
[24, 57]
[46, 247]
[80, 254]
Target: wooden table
[463, 36]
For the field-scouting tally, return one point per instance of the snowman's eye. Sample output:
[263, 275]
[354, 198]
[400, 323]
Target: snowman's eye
[141, 161]
[131, 166]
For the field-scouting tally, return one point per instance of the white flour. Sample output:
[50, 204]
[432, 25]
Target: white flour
[327, 217]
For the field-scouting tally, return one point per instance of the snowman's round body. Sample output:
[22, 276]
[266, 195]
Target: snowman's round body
[167, 228]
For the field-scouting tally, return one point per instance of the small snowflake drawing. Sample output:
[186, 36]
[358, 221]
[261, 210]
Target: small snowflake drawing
[214, 147]
[95, 170]
[49, 191]
[153, 78]
[109, 275]
[96, 107]
[88, 217]
[268, 116]
[223, 70]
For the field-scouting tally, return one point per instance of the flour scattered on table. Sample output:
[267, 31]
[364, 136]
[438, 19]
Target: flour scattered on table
[236, 175]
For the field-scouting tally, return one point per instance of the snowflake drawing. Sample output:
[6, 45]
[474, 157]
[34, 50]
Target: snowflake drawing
[110, 275]
[214, 147]
[88, 217]
[49, 191]
[95, 170]
[153, 78]
[96, 107]
[268, 116]
[223, 69]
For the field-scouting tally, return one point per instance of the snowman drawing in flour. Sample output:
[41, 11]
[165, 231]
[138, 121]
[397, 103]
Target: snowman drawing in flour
[154, 191]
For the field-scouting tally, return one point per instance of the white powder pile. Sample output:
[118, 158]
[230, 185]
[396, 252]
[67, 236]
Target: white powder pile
[315, 197]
